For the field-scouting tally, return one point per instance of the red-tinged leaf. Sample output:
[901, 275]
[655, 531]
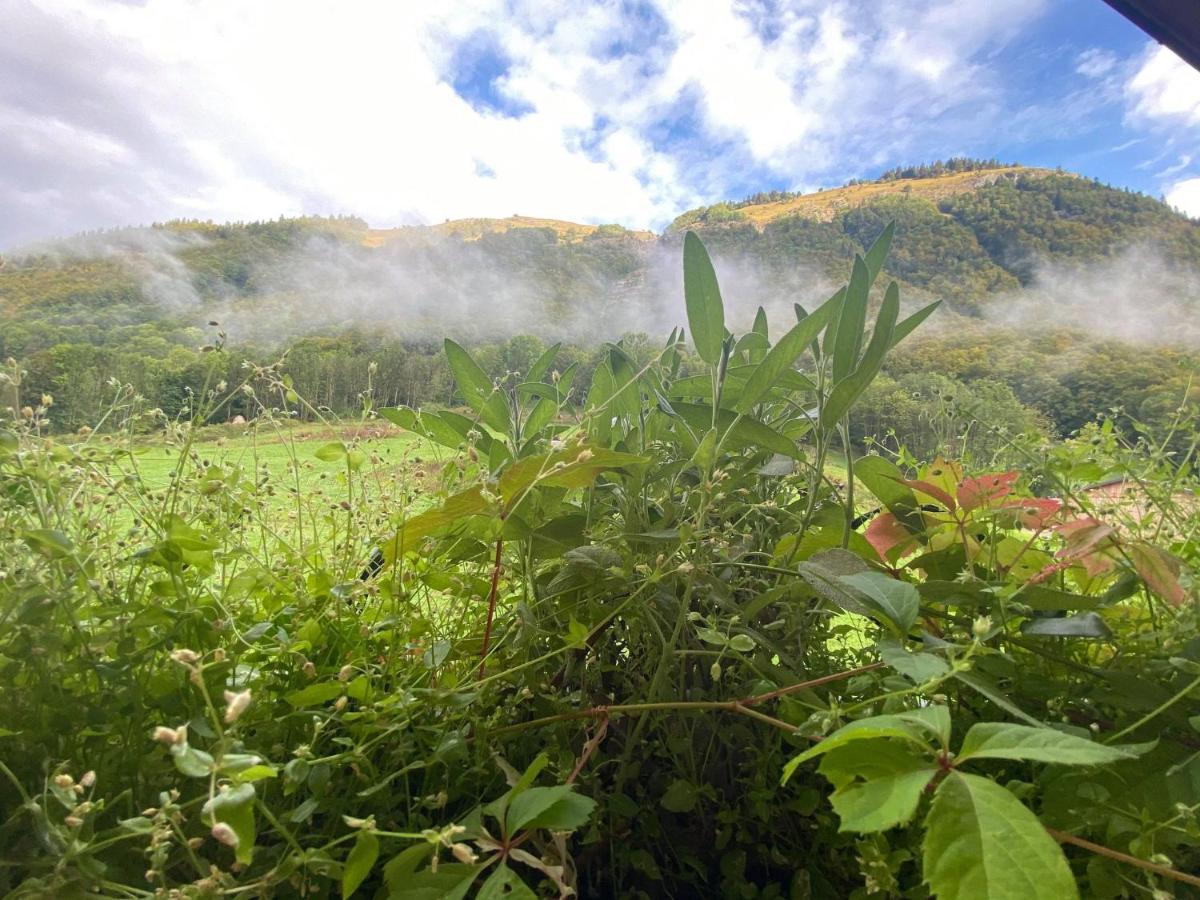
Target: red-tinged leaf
[885, 533]
[1089, 542]
[1160, 570]
[1034, 513]
[985, 490]
[932, 491]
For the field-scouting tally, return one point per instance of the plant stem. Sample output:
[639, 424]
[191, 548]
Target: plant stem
[487, 631]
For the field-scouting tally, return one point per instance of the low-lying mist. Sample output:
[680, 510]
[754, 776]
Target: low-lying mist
[422, 286]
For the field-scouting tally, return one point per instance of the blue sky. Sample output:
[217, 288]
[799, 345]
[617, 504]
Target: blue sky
[630, 111]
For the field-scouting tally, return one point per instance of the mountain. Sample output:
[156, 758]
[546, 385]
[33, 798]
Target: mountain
[1001, 245]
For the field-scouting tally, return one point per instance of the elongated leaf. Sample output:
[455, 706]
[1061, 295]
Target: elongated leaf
[783, 355]
[879, 250]
[1003, 740]
[980, 841]
[702, 295]
[539, 369]
[477, 389]
[918, 667]
[760, 328]
[1083, 625]
[908, 326]
[846, 391]
[466, 503]
[359, 862]
[851, 322]
[747, 432]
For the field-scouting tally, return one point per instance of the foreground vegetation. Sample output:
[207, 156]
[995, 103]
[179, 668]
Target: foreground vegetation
[642, 645]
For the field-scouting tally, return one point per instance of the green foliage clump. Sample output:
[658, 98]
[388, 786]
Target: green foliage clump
[599, 646]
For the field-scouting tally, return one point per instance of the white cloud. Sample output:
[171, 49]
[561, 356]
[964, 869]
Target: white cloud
[1165, 88]
[229, 110]
[1095, 62]
[1185, 195]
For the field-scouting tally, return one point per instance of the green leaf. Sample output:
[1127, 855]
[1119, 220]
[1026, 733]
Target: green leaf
[359, 862]
[879, 250]
[681, 796]
[894, 603]
[988, 688]
[401, 867]
[742, 643]
[702, 295]
[557, 808]
[1087, 624]
[455, 508]
[476, 387]
[981, 842]
[746, 432]
[883, 478]
[908, 326]
[879, 785]
[851, 322]
[330, 452]
[192, 762]
[235, 807]
[917, 667]
[915, 727]
[1002, 740]
[780, 358]
[848, 389]
[314, 694]
[49, 542]
[539, 369]
[505, 883]
[451, 881]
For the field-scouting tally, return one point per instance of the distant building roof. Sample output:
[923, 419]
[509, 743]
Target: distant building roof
[1175, 23]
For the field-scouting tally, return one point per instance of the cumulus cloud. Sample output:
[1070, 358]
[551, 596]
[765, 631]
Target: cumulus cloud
[1165, 88]
[1185, 196]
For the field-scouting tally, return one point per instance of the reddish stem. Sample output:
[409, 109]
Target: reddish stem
[487, 631]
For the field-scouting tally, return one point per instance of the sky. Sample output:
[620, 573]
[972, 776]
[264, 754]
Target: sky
[125, 113]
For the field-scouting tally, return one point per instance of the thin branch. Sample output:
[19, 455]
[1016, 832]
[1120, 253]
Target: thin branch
[1166, 871]
[487, 631]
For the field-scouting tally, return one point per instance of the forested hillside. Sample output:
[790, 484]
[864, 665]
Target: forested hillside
[1045, 277]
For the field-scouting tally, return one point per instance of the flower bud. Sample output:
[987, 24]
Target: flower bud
[715, 671]
[72, 821]
[345, 672]
[185, 657]
[64, 781]
[235, 705]
[463, 854]
[309, 669]
[88, 779]
[225, 835]
[340, 703]
[166, 735]
[981, 627]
